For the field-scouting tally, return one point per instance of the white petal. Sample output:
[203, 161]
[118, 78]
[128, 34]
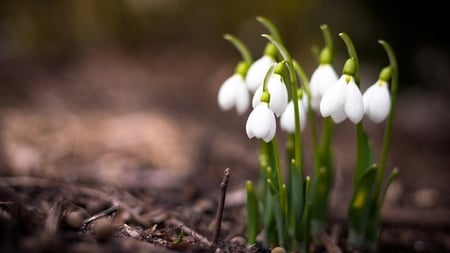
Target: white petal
[257, 72]
[379, 104]
[367, 96]
[278, 94]
[287, 121]
[242, 98]
[334, 98]
[227, 92]
[339, 115]
[256, 100]
[249, 124]
[354, 107]
[322, 78]
[260, 121]
[273, 127]
[305, 101]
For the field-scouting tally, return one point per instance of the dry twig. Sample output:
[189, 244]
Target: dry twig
[220, 207]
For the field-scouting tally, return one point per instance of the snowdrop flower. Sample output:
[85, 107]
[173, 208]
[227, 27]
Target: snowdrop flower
[377, 101]
[278, 94]
[343, 99]
[234, 92]
[261, 121]
[287, 120]
[257, 71]
[322, 78]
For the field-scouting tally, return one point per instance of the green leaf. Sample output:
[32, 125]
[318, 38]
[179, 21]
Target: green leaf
[361, 206]
[305, 225]
[391, 179]
[252, 214]
[297, 199]
[319, 208]
[364, 153]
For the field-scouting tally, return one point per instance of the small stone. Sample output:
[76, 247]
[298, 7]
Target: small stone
[74, 219]
[425, 198]
[278, 250]
[103, 229]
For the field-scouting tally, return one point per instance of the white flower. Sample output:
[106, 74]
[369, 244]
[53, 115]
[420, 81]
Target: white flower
[287, 120]
[261, 123]
[343, 99]
[322, 78]
[234, 93]
[278, 94]
[377, 101]
[257, 72]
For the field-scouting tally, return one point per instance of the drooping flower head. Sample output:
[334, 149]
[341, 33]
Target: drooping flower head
[233, 92]
[287, 120]
[377, 100]
[257, 71]
[343, 99]
[277, 89]
[261, 121]
[322, 78]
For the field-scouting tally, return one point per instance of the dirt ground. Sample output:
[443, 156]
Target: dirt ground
[140, 141]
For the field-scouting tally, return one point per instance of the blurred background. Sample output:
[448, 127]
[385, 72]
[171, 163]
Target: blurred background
[125, 84]
[58, 30]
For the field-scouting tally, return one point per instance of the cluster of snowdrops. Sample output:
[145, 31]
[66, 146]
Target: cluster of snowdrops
[290, 210]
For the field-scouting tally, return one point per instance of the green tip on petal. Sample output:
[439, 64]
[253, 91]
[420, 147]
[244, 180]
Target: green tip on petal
[242, 68]
[326, 56]
[299, 93]
[385, 74]
[280, 68]
[265, 97]
[349, 67]
[271, 50]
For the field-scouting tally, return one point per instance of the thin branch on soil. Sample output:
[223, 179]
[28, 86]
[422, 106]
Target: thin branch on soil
[220, 207]
[328, 243]
[177, 223]
[99, 215]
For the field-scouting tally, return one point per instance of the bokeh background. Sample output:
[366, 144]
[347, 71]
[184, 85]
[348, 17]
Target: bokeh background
[104, 88]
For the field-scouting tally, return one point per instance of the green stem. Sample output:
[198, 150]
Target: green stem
[293, 79]
[388, 129]
[270, 26]
[243, 50]
[327, 36]
[352, 53]
[277, 163]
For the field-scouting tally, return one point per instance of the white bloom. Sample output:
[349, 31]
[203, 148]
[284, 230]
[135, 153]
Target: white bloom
[257, 72]
[287, 120]
[261, 123]
[278, 94]
[234, 93]
[377, 101]
[322, 78]
[343, 99]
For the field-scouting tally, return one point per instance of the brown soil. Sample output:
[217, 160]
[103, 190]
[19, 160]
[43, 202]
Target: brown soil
[120, 153]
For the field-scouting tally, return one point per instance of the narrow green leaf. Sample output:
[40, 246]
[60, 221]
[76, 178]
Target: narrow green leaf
[305, 226]
[360, 206]
[297, 199]
[391, 179]
[319, 208]
[252, 214]
[364, 152]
